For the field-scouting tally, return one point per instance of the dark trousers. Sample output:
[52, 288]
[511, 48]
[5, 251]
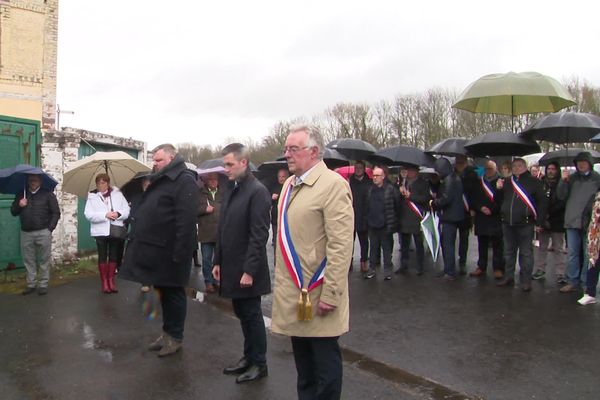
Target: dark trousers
[483, 243]
[108, 249]
[518, 238]
[250, 315]
[405, 249]
[449, 247]
[380, 240]
[592, 279]
[363, 241]
[174, 308]
[319, 366]
[464, 230]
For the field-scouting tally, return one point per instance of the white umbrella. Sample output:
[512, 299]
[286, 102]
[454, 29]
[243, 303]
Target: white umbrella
[80, 177]
[430, 226]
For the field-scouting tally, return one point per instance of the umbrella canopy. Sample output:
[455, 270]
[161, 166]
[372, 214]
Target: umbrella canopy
[451, 147]
[347, 171]
[431, 233]
[564, 127]
[353, 149]
[212, 163]
[80, 178]
[496, 144]
[334, 159]
[134, 186]
[402, 155]
[514, 94]
[14, 180]
[565, 156]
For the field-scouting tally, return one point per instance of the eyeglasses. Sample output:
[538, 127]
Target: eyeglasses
[293, 149]
[377, 176]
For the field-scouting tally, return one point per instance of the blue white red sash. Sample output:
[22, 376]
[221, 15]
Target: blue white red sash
[487, 190]
[466, 203]
[414, 208]
[288, 251]
[523, 196]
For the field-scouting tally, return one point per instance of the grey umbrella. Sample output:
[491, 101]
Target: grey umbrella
[495, 144]
[451, 147]
[402, 155]
[564, 127]
[565, 156]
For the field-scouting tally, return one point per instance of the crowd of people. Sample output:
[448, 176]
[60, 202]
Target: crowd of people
[315, 215]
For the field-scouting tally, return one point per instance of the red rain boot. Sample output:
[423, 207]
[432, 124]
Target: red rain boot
[112, 269]
[103, 268]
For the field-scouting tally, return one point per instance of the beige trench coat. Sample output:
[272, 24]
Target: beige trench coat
[321, 223]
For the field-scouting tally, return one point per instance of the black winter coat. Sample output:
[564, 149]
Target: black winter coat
[419, 194]
[163, 229]
[469, 180]
[555, 217]
[41, 212]
[449, 201]
[391, 198]
[486, 225]
[359, 190]
[513, 209]
[242, 238]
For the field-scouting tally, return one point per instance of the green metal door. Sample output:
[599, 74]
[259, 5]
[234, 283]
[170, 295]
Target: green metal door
[19, 139]
[85, 242]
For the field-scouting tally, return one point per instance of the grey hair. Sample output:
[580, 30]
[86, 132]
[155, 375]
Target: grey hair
[167, 148]
[314, 136]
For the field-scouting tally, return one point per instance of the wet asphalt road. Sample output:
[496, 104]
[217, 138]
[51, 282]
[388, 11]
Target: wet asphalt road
[411, 338]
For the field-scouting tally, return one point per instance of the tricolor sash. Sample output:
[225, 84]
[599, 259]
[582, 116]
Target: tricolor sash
[487, 190]
[523, 196]
[414, 208]
[292, 261]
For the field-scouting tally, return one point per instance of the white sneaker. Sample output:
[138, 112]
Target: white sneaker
[587, 299]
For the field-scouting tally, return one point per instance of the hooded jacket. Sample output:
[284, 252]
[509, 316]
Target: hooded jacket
[449, 200]
[578, 192]
[555, 217]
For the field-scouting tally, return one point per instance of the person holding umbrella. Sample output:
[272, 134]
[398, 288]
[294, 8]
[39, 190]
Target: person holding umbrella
[38, 211]
[105, 207]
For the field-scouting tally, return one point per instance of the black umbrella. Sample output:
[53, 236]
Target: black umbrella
[451, 147]
[565, 156]
[402, 155]
[495, 144]
[564, 127]
[334, 159]
[354, 149]
[134, 185]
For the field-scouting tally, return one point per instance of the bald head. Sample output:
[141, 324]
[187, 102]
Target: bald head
[490, 169]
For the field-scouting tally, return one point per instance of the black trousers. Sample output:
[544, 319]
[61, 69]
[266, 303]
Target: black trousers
[405, 239]
[464, 229]
[363, 241]
[109, 249]
[483, 242]
[174, 309]
[250, 315]
[319, 366]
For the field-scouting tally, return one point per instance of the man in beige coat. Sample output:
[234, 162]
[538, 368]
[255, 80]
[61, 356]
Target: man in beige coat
[316, 226]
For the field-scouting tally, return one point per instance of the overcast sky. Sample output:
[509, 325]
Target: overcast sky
[207, 72]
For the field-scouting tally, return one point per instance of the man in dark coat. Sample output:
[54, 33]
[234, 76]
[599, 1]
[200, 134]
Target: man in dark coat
[469, 178]
[552, 228]
[282, 175]
[359, 185]
[162, 242]
[240, 262]
[38, 211]
[523, 205]
[414, 202]
[488, 225]
[382, 210]
[449, 203]
[211, 197]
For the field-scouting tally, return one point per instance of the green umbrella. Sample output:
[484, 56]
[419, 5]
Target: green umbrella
[514, 94]
[430, 227]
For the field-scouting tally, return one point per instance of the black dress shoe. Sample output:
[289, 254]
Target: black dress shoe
[238, 368]
[506, 282]
[253, 373]
[526, 287]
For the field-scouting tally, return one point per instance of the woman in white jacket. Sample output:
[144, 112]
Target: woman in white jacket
[106, 206]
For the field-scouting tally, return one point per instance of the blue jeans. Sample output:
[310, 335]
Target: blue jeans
[449, 230]
[518, 239]
[207, 250]
[576, 269]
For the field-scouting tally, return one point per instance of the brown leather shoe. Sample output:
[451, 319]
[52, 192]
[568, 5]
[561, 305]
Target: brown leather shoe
[170, 346]
[477, 273]
[210, 288]
[498, 274]
[506, 282]
[569, 288]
